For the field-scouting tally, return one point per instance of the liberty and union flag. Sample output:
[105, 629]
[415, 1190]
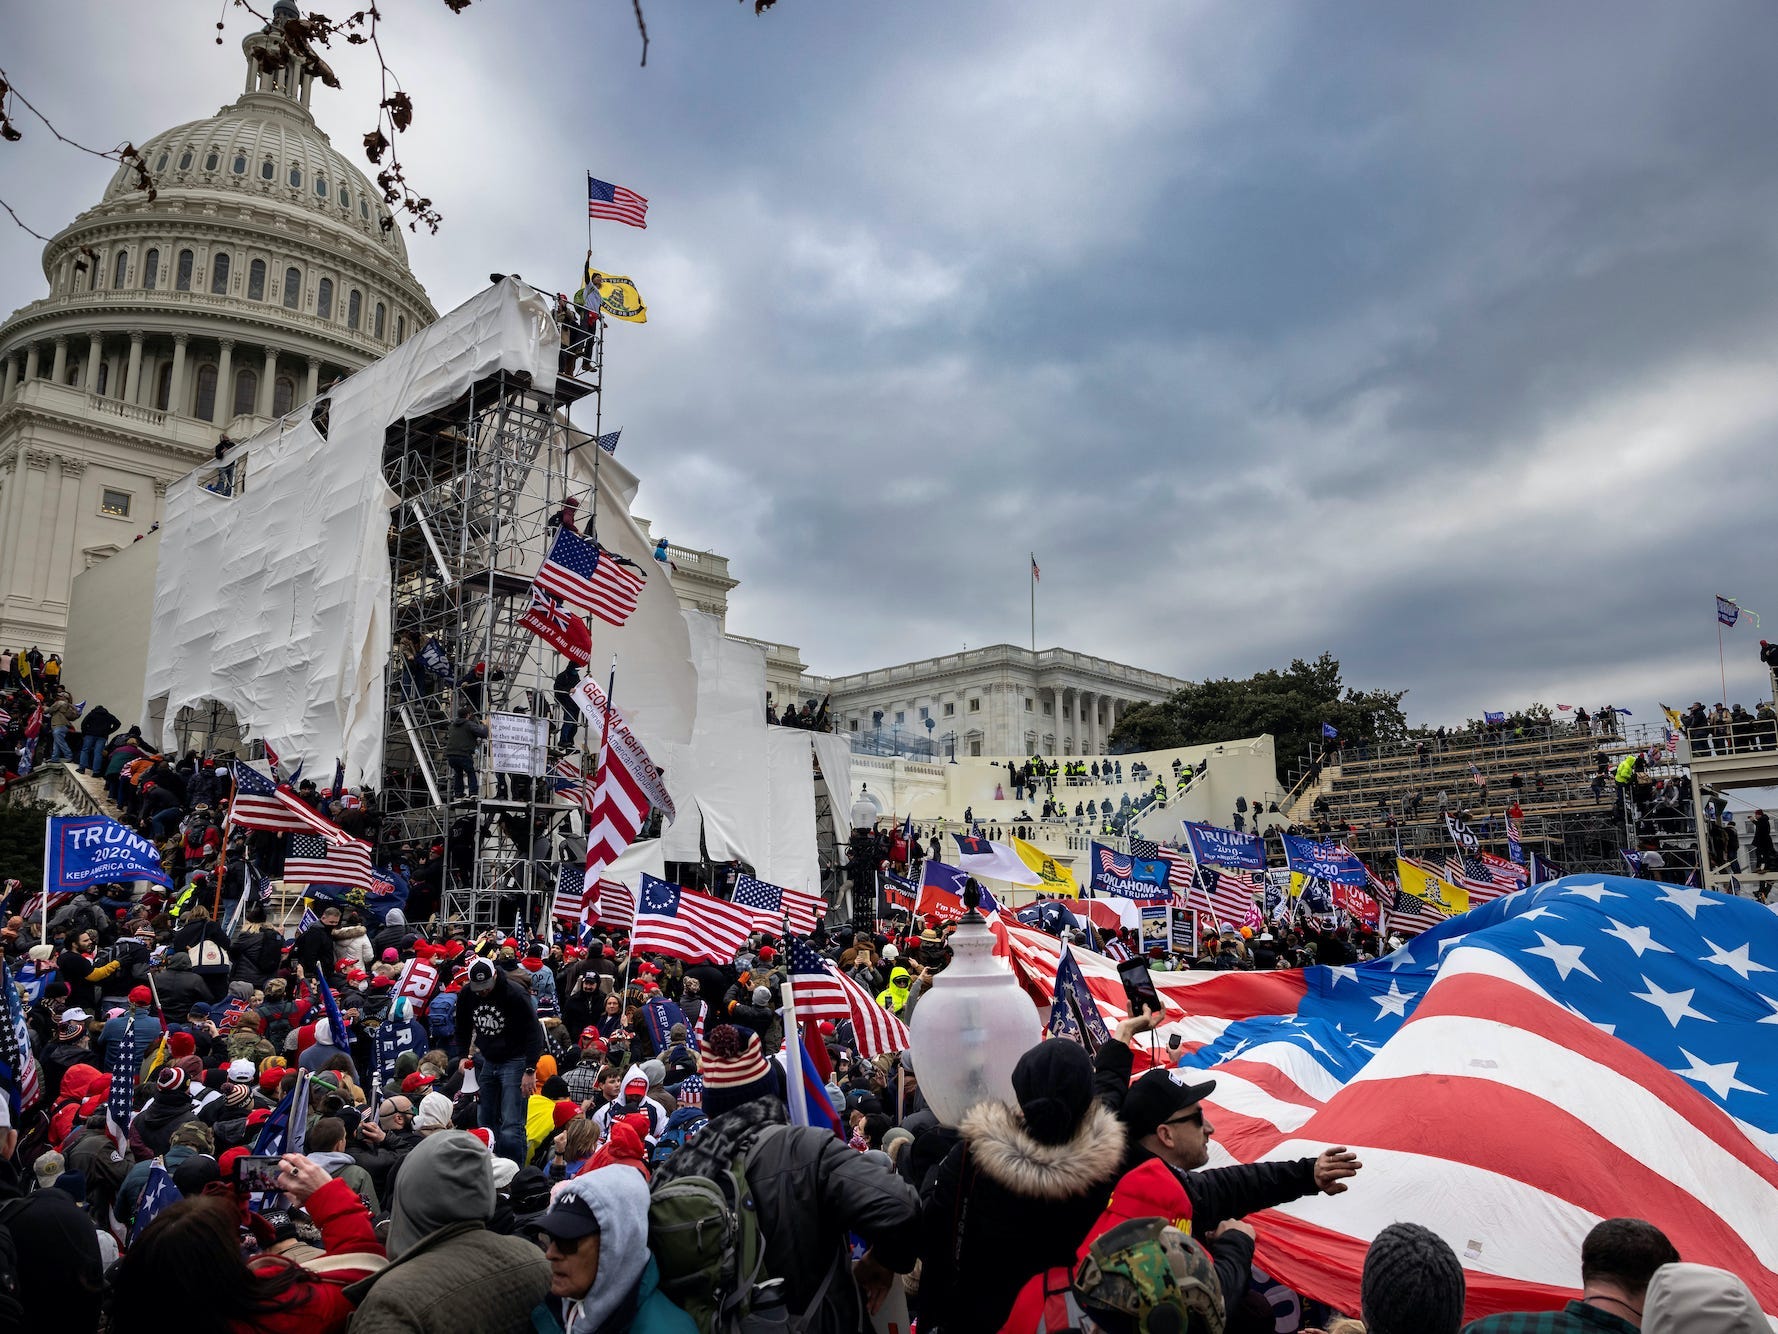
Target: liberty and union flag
[550, 621]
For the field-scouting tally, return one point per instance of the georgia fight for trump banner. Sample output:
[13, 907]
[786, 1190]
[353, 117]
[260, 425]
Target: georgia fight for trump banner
[87, 850]
[1224, 847]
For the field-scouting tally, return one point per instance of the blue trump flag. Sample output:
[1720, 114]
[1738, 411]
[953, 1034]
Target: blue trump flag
[1128, 876]
[1332, 862]
[1493, 716]
[1329, 732]
[1224, 847]
[87, 850]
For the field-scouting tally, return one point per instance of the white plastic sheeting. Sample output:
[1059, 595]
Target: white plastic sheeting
[789, 858]
[722, 772]
[275, 601]
[835, 754]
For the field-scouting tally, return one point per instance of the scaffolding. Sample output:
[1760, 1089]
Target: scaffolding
[480, 486]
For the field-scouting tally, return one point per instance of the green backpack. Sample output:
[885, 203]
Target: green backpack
[705, 1237]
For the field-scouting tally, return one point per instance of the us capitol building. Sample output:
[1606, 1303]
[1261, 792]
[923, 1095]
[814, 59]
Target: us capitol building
[259, 274]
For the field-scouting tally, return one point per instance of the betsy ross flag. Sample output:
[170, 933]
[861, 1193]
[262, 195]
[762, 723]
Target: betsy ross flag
[685, 924]
[313, 860]
[260, 803]
[614, 203]
[550, 621]
[823, 992]
[586, 575]
[1606, 1029]
[771, 904]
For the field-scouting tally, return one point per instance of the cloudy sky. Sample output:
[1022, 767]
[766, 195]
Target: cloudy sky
[1441, 337]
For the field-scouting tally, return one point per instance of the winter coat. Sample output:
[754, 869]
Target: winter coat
[99, 722]
[352, 942]
[809, 1190]
[502, 1023]
[91, 1156]
[1003, 1207]
[257, 951]
[152, 1129]
[179, 990]
[460, 1279]
[647, 1312]
[317, 1303]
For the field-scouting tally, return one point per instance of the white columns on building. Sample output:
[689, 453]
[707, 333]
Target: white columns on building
[265, 384]
[58, 573]
[12, 378]
[58, 367]
[176, 394]
[30, 362]
[314, 379]
[95, 357]
[28, 548]
[132, 382]
[225, 381]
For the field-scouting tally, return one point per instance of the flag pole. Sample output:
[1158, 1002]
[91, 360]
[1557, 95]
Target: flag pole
[48, 838]
[1721, 666]
[1034, 602]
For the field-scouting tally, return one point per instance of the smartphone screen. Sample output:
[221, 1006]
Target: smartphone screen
[258, 1174]
[1139, 987]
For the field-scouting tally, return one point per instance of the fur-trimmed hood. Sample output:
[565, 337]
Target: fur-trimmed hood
[1006, 1154]
[343, 933]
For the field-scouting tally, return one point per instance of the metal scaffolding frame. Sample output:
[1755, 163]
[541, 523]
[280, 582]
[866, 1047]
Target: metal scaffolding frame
[478, 485]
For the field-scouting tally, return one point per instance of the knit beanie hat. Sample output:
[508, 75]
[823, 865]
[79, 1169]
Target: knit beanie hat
[734, 1069]
[1053, 1082]
[1412, 1283]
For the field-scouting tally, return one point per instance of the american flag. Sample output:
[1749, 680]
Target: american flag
[685, 924]
[770, 904]
[313, 860]
[569, 781]
[823, 992]
[120, 1102]
[627, 785]
[1179, 864]
[614, 203]
[585, 575]
[612, 902]
[260, 803]
[1477, 879]
[608, 441]
[15, 1046]
[1602, 1036]
[157, 1194]
[1411, 910]
[1230, 898]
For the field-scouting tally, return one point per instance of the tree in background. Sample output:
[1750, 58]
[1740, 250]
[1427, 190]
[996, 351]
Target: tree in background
[1291, 705]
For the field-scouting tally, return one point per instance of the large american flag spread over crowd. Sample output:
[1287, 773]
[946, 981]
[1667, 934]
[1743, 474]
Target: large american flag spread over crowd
[1589, 1048]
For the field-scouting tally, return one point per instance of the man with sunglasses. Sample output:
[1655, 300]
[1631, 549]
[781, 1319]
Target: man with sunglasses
[601, 1274]
[380, 1145]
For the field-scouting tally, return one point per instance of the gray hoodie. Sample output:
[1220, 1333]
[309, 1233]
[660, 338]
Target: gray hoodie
[448, 1178]
[1696, 1299]
[618, 1197]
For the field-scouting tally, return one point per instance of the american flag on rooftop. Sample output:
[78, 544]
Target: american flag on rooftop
[608, 441]
[614, 203]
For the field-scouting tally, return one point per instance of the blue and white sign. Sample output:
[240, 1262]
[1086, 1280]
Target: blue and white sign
[1224, 847]
[87, 850]
[1333, 862]
[1129, 876]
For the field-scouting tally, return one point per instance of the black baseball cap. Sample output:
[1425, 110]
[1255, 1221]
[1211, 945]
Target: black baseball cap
[567, 1219]
[1158, 1097]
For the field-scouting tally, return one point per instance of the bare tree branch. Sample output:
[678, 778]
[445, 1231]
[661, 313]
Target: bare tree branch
[642, 28]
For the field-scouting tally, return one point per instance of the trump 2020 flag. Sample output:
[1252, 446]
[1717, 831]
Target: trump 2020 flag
[86, 850]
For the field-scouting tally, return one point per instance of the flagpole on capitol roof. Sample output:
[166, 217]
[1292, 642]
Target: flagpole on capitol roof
[1034, 602]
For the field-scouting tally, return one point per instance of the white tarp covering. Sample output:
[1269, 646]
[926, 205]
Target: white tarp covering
[790, 859]
[835, 755]
[725, 768]
[275, 601]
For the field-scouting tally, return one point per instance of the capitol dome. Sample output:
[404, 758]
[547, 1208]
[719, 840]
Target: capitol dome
[262, 270]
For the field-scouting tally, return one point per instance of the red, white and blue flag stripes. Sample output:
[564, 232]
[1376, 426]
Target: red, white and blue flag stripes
[808, 1100]
[1594, 1047]
[824, 992]
[771, 904]
[24, 1077]
[685, 924]
[260, 803]
[1229, 897]
[614, 203]
[586, 575]
[314, 860]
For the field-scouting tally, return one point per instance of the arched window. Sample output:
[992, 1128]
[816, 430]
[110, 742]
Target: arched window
[163, 385]
[211, 160]
[182, 275]
[321, 187]
[151, 269]
[324, 298]
[354, 308]
[239, 165]
[256, 280]
[160, 163]
[121, 269]
[219, 273]
[293, 288]
[246, 392]
[363, 208]
[345, 198]
[206, 401]
[283, 395]
[267, 170]
[381, 321]
[104, 380]
[185, 160]
[296, 176]
[401, 328]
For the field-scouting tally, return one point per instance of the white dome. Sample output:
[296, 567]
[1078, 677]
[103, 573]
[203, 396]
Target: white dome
[232, 152]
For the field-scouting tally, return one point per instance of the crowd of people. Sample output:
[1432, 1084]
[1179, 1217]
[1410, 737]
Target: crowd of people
[568, 1137]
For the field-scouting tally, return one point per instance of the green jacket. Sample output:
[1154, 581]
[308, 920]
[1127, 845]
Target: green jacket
[462, 1279]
